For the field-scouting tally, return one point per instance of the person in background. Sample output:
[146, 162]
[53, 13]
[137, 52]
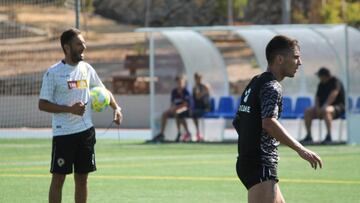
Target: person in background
[65, 93]
[201, 103]
[179, 109]
[329, 104]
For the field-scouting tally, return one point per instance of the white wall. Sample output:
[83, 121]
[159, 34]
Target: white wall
[22, 111]
[135, 110]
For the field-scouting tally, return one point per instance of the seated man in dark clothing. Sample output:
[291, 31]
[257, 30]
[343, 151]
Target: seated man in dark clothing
[329, 103]
[201, 100]
[179, 109]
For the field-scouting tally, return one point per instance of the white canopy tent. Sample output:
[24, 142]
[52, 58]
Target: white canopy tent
[332, 46]
[200, 55]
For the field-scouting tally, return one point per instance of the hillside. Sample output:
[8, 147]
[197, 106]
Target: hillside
[29, 44]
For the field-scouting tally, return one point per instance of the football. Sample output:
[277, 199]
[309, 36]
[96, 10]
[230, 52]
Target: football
[100, 98]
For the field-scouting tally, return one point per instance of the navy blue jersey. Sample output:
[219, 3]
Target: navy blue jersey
[262, 98]
[178, 98]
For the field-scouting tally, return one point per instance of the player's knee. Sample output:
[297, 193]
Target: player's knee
[166, 114]
[326, 113]
[58, 179]
[309, 113]
[81, 179]
[323, 112]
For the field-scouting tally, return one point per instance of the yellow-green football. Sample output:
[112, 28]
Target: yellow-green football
[100, 98]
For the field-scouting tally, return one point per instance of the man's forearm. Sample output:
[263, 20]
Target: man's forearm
[114, 105]
[53, 108]
[331, 98]
[276, 130]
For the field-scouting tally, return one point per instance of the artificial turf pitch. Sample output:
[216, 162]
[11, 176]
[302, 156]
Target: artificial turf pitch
[131, 171]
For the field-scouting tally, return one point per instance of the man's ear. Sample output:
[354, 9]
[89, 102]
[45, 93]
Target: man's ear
[279, 59]
[67, 48]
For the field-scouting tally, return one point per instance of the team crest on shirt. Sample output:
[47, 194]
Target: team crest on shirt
[60, 162]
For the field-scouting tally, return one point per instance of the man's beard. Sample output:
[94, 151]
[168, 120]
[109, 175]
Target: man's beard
[75, 57]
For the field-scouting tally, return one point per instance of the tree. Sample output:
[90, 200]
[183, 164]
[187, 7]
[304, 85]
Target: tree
[331, 11]
[335, 11]
[352, 13]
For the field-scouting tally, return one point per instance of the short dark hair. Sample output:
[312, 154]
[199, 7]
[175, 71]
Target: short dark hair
[67, 36]
[323, 71]
[280, 44]
[179, 77]
[198, 75]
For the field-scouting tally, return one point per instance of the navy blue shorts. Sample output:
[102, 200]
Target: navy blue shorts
[74, 151]
[339, 110]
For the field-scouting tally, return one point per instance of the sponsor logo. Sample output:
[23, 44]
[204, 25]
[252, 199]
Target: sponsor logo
[244, 108]
[247, 93]
[77, 84]
[60, 162]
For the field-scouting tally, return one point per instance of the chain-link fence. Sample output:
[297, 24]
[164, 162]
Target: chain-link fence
[29, 44]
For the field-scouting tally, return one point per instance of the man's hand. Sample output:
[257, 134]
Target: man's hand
[311, 157]
[78, 108]
[324, 107]
[118, 116]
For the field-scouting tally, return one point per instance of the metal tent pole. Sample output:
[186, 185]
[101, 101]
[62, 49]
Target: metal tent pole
[152, 83]
[77, 13]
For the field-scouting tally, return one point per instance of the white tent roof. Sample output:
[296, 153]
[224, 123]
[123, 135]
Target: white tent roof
[200, 55]
[321, 45]
[333, 46]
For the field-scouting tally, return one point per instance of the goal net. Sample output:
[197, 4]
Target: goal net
[29, 44]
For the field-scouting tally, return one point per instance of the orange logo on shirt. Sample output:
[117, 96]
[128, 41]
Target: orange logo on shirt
[77, 84]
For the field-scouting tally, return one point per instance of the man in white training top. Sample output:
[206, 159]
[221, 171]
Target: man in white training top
[65, 92]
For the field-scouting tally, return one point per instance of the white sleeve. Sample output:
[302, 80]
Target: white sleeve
[47, 87]
[94, 78]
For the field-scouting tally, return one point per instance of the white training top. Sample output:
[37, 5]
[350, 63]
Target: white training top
[64, 84]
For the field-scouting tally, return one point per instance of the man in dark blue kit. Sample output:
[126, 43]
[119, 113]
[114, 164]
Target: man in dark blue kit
[259, 130]
[179, 109]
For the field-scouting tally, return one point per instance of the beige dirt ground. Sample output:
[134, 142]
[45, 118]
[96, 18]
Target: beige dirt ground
[107, 41]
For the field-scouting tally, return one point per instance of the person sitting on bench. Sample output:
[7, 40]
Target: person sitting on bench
[329, 104]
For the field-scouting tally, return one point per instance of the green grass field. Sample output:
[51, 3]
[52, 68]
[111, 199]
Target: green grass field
[137, 172]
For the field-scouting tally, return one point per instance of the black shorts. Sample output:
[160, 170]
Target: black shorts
[198, 113]
[74, 151]
[339, 110]
[184, 114]
[251, 173]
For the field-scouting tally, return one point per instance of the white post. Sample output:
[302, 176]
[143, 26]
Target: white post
[350, 133]
[152, 83]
